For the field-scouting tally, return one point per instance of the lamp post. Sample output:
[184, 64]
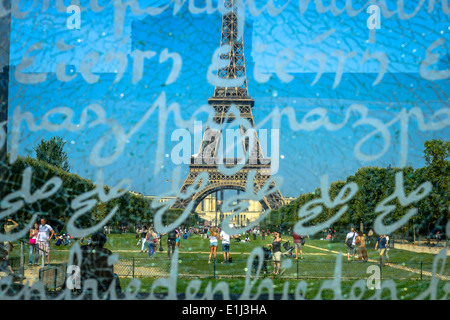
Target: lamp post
[217, 204]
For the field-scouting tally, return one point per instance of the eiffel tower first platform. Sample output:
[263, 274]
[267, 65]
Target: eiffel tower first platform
[223, 99]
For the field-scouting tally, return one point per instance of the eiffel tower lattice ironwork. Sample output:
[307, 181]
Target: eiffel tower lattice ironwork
[223, 99]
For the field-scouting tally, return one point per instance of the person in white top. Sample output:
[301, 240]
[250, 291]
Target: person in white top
[213, 243]
[44, 236]
[225, 237]
[350, 241]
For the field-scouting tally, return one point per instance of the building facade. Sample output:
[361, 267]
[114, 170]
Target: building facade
[210, 211]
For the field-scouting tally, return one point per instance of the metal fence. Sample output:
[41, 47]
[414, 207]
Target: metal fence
[53, 277]
[16, 266]
[295, 269]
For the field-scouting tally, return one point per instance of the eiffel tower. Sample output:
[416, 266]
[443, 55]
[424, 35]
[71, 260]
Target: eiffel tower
[223, 99]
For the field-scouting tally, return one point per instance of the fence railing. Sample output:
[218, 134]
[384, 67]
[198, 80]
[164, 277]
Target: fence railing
[16, 266]
[53, 277]
[23, 244]
[297, 269]
[17, 263]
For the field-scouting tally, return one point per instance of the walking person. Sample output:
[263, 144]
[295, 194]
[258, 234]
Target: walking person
[361, 245]
[213, 243]
[157, 240]
[172, 237]
[276, 249]
[381, 245]
[143, 239]
[150, 239]
[225, 237]
[178, 238]
[44, 237]
[350, 241]
[263, 234]
[33, 245]
[297, 244]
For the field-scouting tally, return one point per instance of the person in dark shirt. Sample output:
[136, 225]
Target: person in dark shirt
[381, 244]
[276, 249]
[94, 264]
[172, 237]
[4, 257]
[438, 237]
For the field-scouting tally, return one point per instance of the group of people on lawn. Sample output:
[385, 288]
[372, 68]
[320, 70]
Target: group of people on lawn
[39, 243]
[214, 236]
[356, 244]
[355, 241]
[150, 239]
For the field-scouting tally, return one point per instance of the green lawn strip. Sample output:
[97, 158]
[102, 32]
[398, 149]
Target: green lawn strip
[397, 257]
[405, 290]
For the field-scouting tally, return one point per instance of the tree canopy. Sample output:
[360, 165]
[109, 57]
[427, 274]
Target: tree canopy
[52, 152]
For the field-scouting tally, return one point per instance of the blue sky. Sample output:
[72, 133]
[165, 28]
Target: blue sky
[402, 40]
[306, 155]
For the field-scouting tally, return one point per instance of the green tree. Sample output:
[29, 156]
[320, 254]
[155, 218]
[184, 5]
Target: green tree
[436, 153]
[52, 152]
[434, 212]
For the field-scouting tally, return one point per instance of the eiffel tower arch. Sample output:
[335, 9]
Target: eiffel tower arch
[222, 101]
